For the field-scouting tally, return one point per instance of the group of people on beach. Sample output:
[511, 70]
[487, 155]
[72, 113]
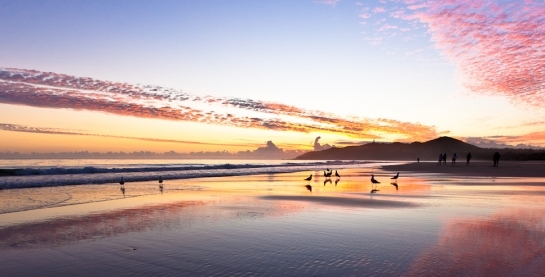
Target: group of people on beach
[443, 159]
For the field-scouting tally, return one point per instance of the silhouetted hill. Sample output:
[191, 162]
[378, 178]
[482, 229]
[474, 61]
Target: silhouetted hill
[428, 150]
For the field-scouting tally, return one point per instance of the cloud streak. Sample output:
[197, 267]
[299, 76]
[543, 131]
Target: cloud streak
[51, 90]
[56, 131]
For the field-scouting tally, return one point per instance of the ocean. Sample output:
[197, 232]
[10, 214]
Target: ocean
[60, 172]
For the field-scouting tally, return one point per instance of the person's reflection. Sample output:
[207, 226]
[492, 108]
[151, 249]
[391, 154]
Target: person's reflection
[122, 190]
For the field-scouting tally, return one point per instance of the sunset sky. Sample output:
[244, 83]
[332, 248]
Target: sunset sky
[231, 75]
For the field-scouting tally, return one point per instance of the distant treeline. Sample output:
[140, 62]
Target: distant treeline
[150, 155]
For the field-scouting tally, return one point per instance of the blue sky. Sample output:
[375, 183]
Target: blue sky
[346, 58]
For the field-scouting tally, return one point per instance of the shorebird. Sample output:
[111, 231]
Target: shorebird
[337, 174]
[395, 177]
[373, 180]
[309, 178]
[309, 187]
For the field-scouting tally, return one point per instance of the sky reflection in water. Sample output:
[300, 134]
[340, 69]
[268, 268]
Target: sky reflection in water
[272, 224]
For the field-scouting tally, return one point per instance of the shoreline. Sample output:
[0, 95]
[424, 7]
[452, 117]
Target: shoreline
[477, 168]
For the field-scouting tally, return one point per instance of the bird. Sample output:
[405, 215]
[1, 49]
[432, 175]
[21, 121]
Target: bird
[309, 178]
[395, 177]
[337, 174]
[309, 187]
[373, 180]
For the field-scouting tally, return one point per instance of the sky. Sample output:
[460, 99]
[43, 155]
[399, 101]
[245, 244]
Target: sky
[231, 75]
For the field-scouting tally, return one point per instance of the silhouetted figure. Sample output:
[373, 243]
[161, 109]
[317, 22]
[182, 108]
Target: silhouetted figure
[161, 183]
[453, 160]
[445, 158]
[337, 174]
[468, 158]
[395, 177]
[309, 178]
[417, 160]
[121, 182]
[309, 187]
[440, 159]
[496, 158]
[394, 184]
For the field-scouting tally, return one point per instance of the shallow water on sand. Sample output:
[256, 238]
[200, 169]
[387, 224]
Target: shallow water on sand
[268, 225]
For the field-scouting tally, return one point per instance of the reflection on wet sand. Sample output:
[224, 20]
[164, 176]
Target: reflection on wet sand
[506, 244]
[344, 201]
[59, 231]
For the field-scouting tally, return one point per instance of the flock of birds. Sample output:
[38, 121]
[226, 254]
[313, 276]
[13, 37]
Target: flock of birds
[374, 182]
[327, 174]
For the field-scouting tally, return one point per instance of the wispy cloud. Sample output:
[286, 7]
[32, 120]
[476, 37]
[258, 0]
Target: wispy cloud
[51, 90]
[498, 46]
[332, 3]
[57, 131]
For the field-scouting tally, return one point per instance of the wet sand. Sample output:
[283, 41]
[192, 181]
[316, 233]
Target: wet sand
[477, 168]
[270, 225]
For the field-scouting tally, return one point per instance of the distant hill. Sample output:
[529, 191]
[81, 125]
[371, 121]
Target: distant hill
[428, 150]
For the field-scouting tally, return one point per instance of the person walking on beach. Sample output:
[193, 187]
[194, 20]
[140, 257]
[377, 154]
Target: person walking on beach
[453, 160]
[445, 158]
[496, 159]
[440, 159]
[468, 157]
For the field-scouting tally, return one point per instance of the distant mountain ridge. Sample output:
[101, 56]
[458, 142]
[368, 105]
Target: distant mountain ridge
[428, 150]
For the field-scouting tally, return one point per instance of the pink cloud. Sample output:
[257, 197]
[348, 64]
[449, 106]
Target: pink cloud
[50, 90]
[379, 10]
[498, 47]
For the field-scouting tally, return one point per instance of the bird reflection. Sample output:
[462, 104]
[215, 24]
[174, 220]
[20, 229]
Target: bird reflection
[374, 190]
[393, 183]
[309, 187]
[337, 181]
[327, 181]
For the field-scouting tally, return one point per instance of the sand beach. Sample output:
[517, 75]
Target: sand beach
[436, 223]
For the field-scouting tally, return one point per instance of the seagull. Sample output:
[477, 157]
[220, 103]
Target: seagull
[309, 187]
[395, 177]
[373, 180]
[309, 178]
[337, 174]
